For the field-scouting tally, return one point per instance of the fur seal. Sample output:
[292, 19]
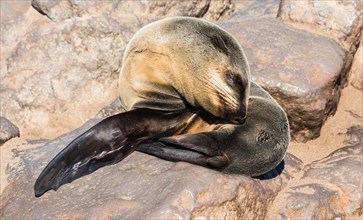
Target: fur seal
[185, 85]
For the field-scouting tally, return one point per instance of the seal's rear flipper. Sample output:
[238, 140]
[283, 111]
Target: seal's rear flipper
[192, 148]
[106, 143]
[97, 147]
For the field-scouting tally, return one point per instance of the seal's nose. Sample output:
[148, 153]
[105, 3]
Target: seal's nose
[238, 120]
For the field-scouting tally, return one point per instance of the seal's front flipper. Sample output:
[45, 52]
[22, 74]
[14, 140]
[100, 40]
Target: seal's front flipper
[108, 142]
[199, 149]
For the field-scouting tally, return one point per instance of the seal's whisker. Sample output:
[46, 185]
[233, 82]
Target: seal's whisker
[225, 93]
[220, 94]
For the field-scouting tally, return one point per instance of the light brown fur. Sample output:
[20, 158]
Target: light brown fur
[178, 63]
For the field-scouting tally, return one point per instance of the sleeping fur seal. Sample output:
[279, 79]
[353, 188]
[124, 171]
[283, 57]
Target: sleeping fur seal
[185, 85]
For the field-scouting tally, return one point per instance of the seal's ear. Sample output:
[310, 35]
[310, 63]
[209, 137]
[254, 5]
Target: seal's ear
[107, 142]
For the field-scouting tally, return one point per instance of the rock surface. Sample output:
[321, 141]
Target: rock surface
[257, 9]
[356, 72]
[303, 71]
[327, 189]
[71, 61]
[140, 187]
[10, 11]
[59, 10]
[7, 130]
[354, 134]
[340, 19]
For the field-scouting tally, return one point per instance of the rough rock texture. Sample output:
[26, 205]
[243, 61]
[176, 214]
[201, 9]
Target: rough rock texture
[327, 189]
[140, 187]
[303, 71]
[59, 10]
[7, 130]
[356, 72]
[339, 19]
[354, 134]
[257, 9]
[333, 134]
[10, 11]
[54, 64]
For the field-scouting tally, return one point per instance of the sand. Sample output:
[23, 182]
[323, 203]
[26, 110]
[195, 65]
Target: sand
[333, 137]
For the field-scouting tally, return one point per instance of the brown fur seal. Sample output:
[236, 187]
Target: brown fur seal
[185, 84]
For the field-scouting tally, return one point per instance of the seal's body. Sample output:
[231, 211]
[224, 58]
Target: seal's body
[252, 148]
[185, 85]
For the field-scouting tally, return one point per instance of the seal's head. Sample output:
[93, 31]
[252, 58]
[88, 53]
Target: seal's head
[227, 91]
[188, 58]
[219, 80]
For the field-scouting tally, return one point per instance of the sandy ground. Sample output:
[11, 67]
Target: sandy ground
[332, 137]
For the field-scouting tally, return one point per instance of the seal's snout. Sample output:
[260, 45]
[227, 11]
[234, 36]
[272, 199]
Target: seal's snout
[236, 116]
[239, 120]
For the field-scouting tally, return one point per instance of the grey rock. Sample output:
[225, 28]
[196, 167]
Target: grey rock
[340, 19]
[354, 134]
[303, 71]
[329, 188]
[257, 9]
[139, 187]
[7, 130]
[356, 72]
[59, 10]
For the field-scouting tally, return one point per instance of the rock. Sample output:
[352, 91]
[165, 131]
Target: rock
[111, 109]
[15, 26]
[139, 187]
[7, 130]
[59, 75]
[356, 72]
[354, 134]
[257, 9]
[330, 188]
[302, 70]
[12, 10]
[339, 19]
[60, 10]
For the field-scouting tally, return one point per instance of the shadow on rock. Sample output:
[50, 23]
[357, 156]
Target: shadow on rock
[273, 173]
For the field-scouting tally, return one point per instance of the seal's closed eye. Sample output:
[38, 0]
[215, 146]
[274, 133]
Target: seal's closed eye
[235, 80]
